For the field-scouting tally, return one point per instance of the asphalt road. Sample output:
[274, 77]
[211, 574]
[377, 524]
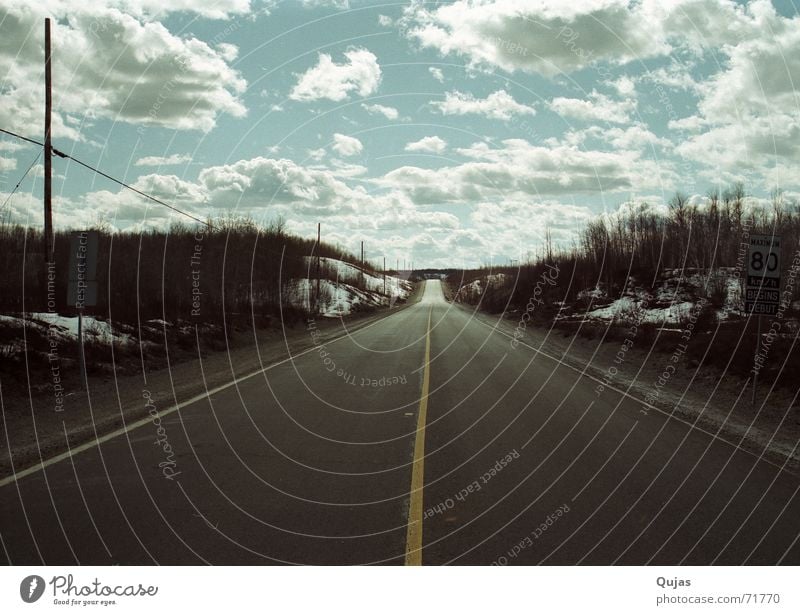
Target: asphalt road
[424, 437]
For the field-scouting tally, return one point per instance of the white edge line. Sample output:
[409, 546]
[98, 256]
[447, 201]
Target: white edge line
[144, 421]
[668, 415]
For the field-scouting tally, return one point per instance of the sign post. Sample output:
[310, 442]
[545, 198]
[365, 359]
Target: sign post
[763, 287]
[82, 288]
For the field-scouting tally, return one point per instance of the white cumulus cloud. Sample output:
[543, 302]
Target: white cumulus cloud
[520, 168]
[747, 118]
[433, 145]
[597, 107]
[390, 113]
[114, 65]
[550, 37]
[359, 74]
[499, 105]
[159, 161]
[346, 146]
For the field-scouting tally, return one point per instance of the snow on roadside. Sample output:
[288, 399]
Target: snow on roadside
[340, 271]
[629, 307]
[341, 295]
[66, 327]
[477, 285]
[594, 293]
[675, 298]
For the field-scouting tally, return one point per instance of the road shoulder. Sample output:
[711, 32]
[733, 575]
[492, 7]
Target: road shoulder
[34, 431]
[716, 402]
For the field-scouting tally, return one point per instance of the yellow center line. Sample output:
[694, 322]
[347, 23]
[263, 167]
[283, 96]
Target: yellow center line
[414, 533]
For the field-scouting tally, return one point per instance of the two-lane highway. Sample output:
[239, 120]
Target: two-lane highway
[425, 437]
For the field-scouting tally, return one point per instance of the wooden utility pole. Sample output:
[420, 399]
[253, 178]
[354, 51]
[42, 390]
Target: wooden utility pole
[362, 262]
[384, 275]
[319, 230]
[48, 162]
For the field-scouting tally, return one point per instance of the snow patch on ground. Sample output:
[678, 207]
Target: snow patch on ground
[347, 289]
[61, 329]
[594, 293]
[487, 281]
[676, 297]
[629, 308]
[66, 327]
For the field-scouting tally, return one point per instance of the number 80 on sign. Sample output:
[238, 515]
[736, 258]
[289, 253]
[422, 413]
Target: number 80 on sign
[762, 292]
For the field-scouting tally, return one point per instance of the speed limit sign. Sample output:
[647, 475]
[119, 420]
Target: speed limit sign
[763, 288]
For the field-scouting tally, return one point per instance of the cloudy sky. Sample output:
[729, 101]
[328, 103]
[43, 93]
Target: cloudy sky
[450, 133]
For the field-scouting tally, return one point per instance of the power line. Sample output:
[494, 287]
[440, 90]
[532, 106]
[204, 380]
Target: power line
[107, 176]
[131, 188]
[13, 134]
[21, 179]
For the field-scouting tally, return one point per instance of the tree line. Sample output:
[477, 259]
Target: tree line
[634, 251]
[233, 269]
[641, 242]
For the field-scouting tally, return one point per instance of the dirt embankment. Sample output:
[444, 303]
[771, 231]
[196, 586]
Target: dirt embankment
[449, 294]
